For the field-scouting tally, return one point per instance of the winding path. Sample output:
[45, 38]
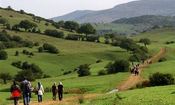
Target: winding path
[130, 82]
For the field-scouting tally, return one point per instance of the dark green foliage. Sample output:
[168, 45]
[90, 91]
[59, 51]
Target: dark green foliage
[160, 79]
[72, 37]
[16, 38]
[118, 66]
[4, 36]
[102, 72]
[3, 55]
[107, 41]
[84, 70]
[50, 48]
[145, 41]
[21, 11]
[54, 33]
[163, 59]
[16, 53]
[16, 27]
[8, 26]
[71, 25]
[2, 46]
[40, 49]
[87, 29]
[29, 44]
[5, 77]
[25, 73]
[46, 76]
[67, 72]
[127, 44]
[36, 44]
[17, 64]
[98, 61]
[47, 24]
[92, 38]
[27, 25]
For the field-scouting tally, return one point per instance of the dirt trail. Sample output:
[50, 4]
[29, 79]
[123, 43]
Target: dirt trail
[74, 98]
[132, 80]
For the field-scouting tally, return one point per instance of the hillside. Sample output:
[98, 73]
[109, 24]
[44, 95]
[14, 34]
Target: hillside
[145, 7]
[147, 20]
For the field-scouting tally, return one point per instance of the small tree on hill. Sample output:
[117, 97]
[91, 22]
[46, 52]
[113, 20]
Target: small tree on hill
[145, 41]
[3, 55]
[3, 21]
[27, 25]
[5, 77]
[87, 29]
[71, 25]
[84, 70]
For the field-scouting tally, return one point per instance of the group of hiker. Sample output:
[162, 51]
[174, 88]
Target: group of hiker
[135, 69]
[25, 91]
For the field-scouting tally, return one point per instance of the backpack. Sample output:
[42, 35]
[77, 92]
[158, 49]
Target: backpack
[26, 88]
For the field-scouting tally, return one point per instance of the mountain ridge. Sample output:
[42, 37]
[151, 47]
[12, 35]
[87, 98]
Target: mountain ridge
[145, 7]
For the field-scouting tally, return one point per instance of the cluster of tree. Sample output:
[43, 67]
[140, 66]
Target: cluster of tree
[32, 71]
[49, 48]
[8, 41]
[25, 24]
[28, 53]
[54, 33]
[170, 42]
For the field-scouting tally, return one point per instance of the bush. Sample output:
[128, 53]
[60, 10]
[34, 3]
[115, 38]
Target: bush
[29, 44]
[67, 72]
[3, 55]
[25, 73]
[16, 53]
[50, 48]
[2, 46]
[118, 66]
[46, 76]
[162, 59]
[84, 70]
[72, 37]
[98, 61]
[54, 33]
[40, 49]
[36, 44]
[17, 64]
[92, 38]
[160, 79]
[16, 38]
[102, 72]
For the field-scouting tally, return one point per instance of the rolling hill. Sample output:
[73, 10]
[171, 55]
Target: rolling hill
[145, 7]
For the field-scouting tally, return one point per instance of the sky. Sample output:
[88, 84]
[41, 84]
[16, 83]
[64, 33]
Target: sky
[52, 8]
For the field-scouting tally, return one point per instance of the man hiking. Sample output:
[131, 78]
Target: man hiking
[54, 91]
[40, 91]
[60, 91]
[26, 90]
[15, 90]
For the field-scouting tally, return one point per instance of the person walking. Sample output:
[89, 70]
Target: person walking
[15, 91]
[54, 91]
[40, 91]
[25, 88]
[60, 91]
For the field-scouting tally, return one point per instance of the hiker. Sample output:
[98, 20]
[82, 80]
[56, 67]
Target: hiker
[137, 71]
[54, 91]
[40, 91]
[15, 90]
[26, 90]
[60, 91]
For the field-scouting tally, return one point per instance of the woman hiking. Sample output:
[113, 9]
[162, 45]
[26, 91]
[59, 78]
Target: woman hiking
[60, 91]
[15, 90]
[54, 91]
[40, 92]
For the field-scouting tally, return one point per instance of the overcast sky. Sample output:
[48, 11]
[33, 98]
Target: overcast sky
[52, 8]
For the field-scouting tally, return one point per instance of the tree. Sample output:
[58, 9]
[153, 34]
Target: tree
[132, 59]
[40, 49]
[118, 66]
[27, 25]
[84, 70]
[54, 33]
[50, 48]
[3, 55]
[127, 44]
[25, 73]
[21, 11]
[5, 77]
[87, 29]
[145, 41]
[71, 25]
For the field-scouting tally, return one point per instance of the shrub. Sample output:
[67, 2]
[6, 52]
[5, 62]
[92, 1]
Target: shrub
[25, 73]
[72, 37]
[29, 44]
[2, 46]
[5, 77]
[160, 79]
[98, 61]
[17, 64]
[36, 44]
[46, 76]
[54, 33]
[40, 49]
[118, 66]
[84, 70]
[3, 55]
[50, 48]
[102, 72]
[92, 38]
[162, 59]
[67, 72]
[17, 38]
[16, 53]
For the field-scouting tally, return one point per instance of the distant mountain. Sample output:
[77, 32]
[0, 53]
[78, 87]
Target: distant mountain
[131, 9]
[147, 20]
